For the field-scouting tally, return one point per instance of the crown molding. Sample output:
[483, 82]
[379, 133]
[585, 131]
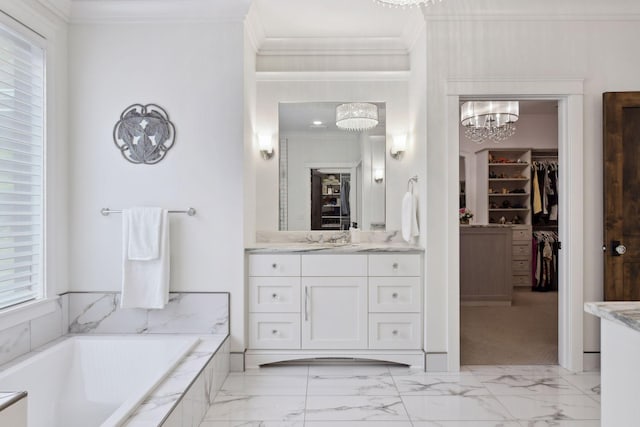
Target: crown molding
[61, 8]
[254, 28]
[332, 76]
[521, 17]
[119, 11]
[284, 46]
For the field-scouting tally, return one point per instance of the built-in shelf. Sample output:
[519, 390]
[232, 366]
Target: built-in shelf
[509, 164]
[508, 209]
[507, 179]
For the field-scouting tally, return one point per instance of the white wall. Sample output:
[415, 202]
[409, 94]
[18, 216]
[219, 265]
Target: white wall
[532, 44]
[325, 89]
[194, 70]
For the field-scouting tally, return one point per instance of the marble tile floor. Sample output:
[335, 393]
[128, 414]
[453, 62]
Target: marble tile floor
[390, 396]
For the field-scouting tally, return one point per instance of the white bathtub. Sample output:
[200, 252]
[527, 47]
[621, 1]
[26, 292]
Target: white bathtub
[91, 381]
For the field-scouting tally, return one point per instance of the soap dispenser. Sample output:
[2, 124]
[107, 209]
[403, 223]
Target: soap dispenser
[354, 233]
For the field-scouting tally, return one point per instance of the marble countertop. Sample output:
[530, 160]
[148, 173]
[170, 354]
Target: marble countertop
[331, 248]
[626, 313]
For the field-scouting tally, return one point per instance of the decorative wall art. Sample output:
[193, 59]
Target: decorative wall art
[144, 134]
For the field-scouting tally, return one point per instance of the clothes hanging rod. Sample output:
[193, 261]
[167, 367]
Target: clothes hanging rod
[107, 211]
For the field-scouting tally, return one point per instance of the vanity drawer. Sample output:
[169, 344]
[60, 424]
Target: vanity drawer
[397, 331]
[394, 294]
[274, 330]
[274, 294]
[334, 265]
[520, 266]
[274, 265]
[394, 265]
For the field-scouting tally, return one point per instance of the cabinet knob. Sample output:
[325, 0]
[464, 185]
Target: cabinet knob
[395, 266]
[394, 295]
[274, 265]
[395, 332]
[275, 297]
[274, 332]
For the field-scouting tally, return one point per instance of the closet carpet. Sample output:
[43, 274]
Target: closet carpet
[526, 333]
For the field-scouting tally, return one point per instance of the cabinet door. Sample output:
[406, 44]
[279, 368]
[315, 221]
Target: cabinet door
[334, 312]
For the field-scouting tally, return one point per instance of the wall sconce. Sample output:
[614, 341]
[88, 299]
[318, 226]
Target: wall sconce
[266, 146]
[399, 146]
[378, 175]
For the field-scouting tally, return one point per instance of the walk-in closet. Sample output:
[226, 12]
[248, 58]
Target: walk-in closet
[509, 221]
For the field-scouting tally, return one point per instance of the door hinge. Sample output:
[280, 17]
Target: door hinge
[559, 245]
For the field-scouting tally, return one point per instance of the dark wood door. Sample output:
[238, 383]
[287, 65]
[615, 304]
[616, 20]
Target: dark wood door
[622, 196]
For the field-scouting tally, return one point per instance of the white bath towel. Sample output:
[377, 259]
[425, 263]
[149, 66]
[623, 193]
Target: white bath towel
[145, 283]
[409, 217]
[145, 229]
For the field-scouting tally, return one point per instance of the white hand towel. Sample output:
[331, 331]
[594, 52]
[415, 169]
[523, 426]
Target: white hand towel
[409, 217]
[145, 284]
[144, 232]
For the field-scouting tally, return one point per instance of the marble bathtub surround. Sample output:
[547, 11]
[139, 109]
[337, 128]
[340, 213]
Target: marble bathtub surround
[27, 336]
[389, 396]
[346, 248]
[185, 394]
[187, 313]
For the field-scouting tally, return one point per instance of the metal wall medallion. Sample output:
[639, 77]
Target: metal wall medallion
[144, 133]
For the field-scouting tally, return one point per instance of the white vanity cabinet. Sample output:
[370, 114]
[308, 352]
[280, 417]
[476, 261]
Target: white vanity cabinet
[395, 299]
[334, 301]
[309, 305]
[274, 301]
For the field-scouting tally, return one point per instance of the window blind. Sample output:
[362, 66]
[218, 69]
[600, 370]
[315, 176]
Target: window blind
[21, 168]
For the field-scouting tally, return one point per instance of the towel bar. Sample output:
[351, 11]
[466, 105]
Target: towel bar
[107, 211]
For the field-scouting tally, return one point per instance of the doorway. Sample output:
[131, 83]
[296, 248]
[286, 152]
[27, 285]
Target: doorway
[509, 252]
[569, 95]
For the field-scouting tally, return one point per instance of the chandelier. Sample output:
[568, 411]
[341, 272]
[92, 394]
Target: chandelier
[489, 120]
[405, 3]
[357, 116]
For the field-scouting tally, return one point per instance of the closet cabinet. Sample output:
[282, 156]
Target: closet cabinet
[350, 305]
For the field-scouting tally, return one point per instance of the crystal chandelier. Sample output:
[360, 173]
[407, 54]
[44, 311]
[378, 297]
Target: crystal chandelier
[405, 3]
[357, 116]
[489, 120]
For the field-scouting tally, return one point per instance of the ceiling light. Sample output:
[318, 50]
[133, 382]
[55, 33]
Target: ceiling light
[357, 116]
[317, 122]
[405, 3]
[489, 119]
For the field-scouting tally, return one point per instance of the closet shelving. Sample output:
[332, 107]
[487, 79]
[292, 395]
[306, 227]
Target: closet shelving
[504, 176]
[333, 215]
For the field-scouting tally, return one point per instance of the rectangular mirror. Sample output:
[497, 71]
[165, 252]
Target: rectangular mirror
[330, 177]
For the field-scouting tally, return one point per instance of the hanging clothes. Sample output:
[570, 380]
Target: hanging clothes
[545, 267]
[544, 192]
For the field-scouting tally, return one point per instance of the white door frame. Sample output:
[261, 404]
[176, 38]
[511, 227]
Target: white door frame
[569, 94]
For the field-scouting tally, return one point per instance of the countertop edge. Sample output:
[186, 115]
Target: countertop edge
[626, 313]
[346, 249]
